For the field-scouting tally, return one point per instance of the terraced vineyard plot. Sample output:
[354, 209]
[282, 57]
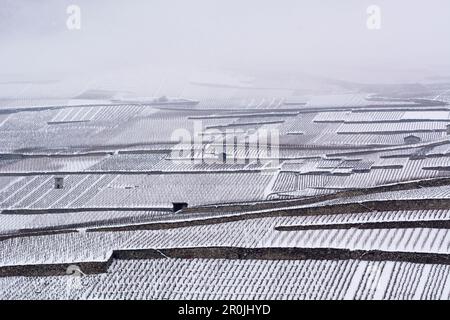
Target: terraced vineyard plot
[389, 128]
[161, 190]
[11, 223]
[49, 164]
[38, 192]
[133, 162]
[353, 216]
[251, 279]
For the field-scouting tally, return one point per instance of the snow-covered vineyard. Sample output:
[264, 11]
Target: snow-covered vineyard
[350, 201]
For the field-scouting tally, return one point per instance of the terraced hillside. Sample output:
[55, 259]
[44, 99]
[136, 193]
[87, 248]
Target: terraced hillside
[350, 200]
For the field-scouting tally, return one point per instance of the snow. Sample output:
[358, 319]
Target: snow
[428, 115]
[327, 157]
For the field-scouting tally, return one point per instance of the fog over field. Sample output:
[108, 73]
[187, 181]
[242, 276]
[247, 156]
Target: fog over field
[120, 44]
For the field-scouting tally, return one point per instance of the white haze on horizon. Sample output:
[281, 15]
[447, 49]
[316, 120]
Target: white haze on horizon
[132, 43]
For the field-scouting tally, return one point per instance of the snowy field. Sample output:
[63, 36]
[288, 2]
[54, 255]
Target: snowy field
[354, 206]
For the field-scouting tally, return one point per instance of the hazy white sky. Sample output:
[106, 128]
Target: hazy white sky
[326, 37]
